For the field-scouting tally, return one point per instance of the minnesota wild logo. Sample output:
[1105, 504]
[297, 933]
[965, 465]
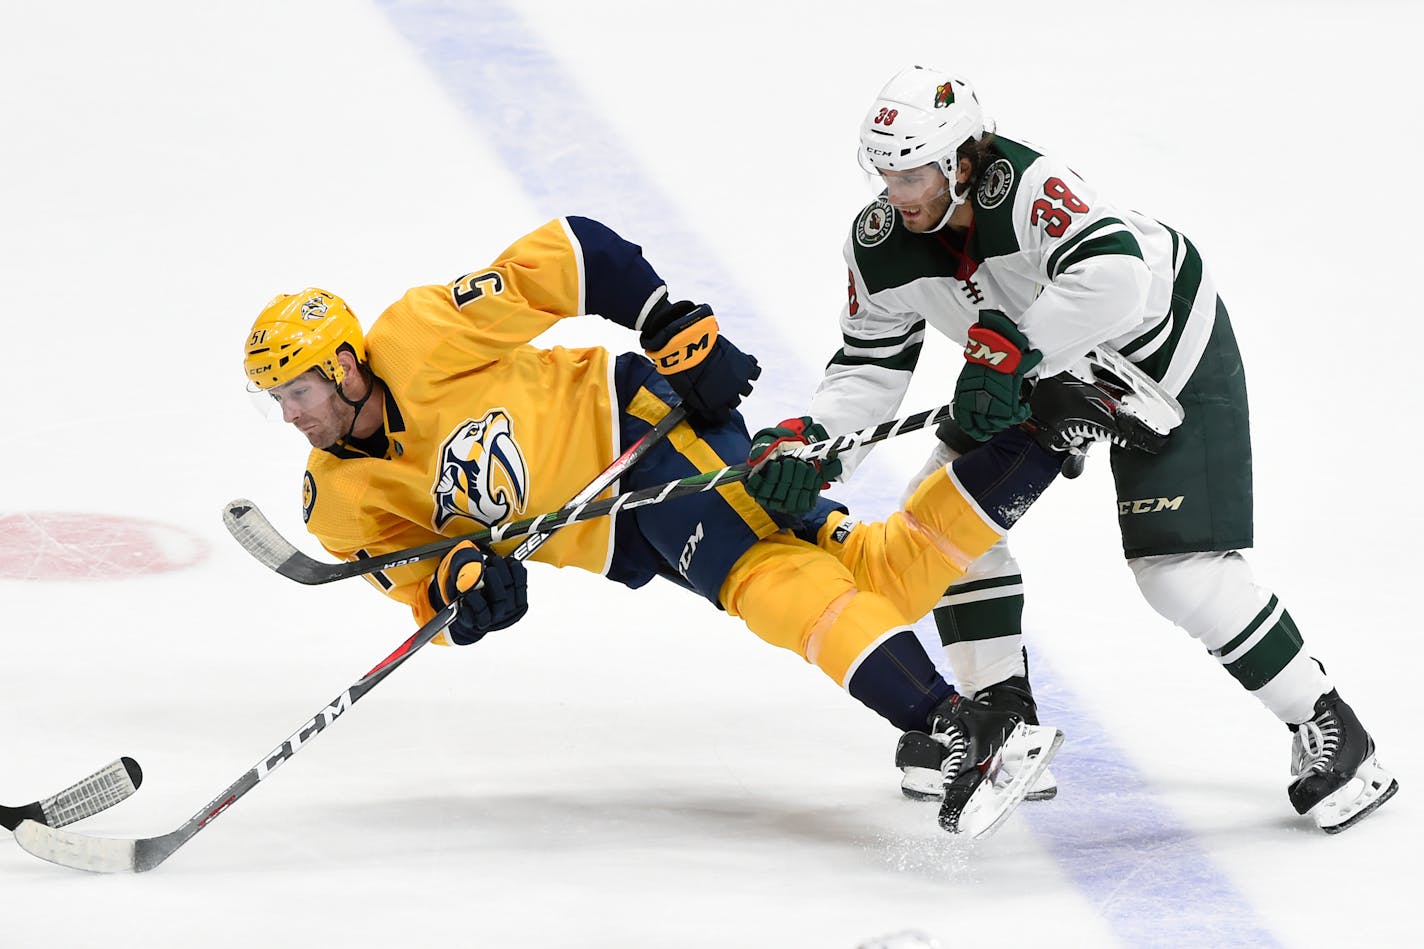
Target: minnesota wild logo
[944, 95]
[995, 184]
[874, 223]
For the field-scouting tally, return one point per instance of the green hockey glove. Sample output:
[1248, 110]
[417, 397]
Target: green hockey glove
[992, 394]
[790, 485]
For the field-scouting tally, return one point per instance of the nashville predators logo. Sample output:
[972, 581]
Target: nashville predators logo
[482, 474]
[314, 308]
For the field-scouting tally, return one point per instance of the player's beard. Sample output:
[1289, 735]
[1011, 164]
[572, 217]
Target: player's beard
[334, 424]
[931, 211]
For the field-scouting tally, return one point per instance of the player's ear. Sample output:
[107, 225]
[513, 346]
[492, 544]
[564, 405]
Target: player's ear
[353, 383]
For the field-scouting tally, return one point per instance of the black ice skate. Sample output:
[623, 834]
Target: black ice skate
[1015, 695]
[1103, 398]
[1337, 778]
[920, 757]
[990, 760]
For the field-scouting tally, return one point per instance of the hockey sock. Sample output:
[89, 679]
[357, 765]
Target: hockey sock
[898, 681]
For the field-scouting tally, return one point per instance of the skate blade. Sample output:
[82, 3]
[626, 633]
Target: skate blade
[1019, 764]
[1371, 786]
[1146, 400]
[924, 784]
[1044, 789]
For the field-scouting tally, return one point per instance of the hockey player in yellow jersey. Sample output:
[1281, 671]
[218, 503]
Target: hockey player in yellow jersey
[444, 419]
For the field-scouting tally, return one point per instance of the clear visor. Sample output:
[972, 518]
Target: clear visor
[304, 394]
[912, 188]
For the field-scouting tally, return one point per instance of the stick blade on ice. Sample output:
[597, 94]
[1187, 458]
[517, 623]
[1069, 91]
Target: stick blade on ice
[79, 851]
[245, 521]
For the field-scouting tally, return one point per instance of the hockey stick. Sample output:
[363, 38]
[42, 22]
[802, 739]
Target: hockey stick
[263, 541]
[98, 792]
[120, 854]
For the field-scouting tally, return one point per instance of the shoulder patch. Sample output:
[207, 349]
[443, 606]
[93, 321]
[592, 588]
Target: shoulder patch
[995, 184]
[875, 223]
[308, 496]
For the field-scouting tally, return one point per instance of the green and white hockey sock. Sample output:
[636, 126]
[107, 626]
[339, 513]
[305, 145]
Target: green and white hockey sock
[1214, 597]
[1268, 658]
[980, 623]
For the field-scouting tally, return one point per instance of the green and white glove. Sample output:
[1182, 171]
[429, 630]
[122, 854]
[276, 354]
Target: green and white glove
[992, 393]
[789, 485]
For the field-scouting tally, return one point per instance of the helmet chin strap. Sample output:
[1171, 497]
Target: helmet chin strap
[358, 405]
[955, 199]
[949, 212]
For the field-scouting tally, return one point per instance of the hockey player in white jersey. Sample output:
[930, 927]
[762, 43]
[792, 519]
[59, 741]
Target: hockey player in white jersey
[1008, 252]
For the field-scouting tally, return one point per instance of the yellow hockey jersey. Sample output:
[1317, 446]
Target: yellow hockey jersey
[481, 427]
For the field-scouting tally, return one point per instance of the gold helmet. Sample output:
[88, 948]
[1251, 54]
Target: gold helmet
[300, 331]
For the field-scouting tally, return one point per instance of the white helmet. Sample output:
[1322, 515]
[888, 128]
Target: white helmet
[921, 117]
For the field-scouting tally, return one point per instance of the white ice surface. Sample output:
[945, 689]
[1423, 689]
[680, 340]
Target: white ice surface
[633, 769]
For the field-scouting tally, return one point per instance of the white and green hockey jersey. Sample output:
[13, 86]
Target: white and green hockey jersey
[1046, 250]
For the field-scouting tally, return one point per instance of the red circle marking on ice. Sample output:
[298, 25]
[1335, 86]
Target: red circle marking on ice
[55, 545]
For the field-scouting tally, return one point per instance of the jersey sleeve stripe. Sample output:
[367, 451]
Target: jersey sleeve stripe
[1119, 243]
[916, 333]
[1149, 342]
[1054, 266]
[903, 361]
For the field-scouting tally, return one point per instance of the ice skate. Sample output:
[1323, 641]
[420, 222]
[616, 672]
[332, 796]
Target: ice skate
[990, 761]
[1015, 695]
[920, 757]
[1336, 777]
[1102, 398]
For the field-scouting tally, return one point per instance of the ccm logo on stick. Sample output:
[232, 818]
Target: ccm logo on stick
[289, 747]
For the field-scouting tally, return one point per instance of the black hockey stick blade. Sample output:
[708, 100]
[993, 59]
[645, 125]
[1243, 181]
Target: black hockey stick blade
[100, 791]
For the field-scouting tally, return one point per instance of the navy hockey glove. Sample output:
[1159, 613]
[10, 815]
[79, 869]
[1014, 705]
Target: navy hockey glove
[991, 393]
[705, 369]
[789, 484]
[493, 591]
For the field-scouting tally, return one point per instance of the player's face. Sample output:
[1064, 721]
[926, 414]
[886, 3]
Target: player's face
[311, 404]
[921, 195]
